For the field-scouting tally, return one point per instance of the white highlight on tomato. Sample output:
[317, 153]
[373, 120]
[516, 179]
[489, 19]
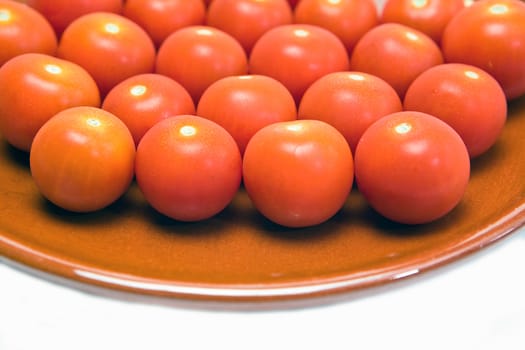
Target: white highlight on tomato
[53, 69]
[412, 36]
[5, 15]
[188, 130]
[403, 128]
[356, 77]
[138, 90]
[93, 122]
[204, 31]
[472, 75]
[302, 33]
[419, 3]
[112, 28]
[294, 127]
[498, 9]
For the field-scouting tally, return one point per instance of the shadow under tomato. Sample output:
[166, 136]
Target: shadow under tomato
[487, 160]
[310, 233]
[328, 229]
[360, 213]
[516, 106]
[95, 218]
[391, 228]
[14, 155]
[166, 225]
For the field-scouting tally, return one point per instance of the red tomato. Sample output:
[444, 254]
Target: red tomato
[109, 46]
[465, 97]
[490, 35]
[297, 55]
[82, 159]
[34, 88]
[248, 20]
[411, 167]
[160, 18]
[348, 19]
[24, 30]
[349, 101]
[61, 13]
[298, 173]
[143, 100]
[197, 56]
[395, 53]
[188, 168]
[244, 104]
[427, 16]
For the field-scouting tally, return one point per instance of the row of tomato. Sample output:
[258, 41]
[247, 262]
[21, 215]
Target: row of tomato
[488, 35]
[411, 167]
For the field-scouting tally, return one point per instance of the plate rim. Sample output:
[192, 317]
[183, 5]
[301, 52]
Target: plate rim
[38, 260]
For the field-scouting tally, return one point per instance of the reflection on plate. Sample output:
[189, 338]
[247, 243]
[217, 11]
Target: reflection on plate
[240, 256]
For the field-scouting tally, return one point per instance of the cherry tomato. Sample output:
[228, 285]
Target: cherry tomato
[60, 13]
[248, 20]
[244, 104]
[188, 168]
[24, 30]
[465, 97]
[82, 159]
[298, 173]
[412, 167]
[349, 101]
[143, 100]
[490, 35]
[34, 88]
[109, 46]
[396, 53]
[197, 56]
[427, 16]
[297, 55]
[160, 18]
[348, 19]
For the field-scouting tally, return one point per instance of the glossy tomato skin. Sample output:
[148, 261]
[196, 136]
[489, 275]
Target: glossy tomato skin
[34, 88]
[248, 20]
[82, 159]
[297, 55]
[143, 100]
[490, 35]
[24, 30]
[109, 46]
[298, 173]
[348, 19]
[60, 13]
[465, 97]
[349, 101]
[188, 168]
[197, 56]
[244, 104]
[411, 167]
[429, 17]
[160, 18]
[396, 53]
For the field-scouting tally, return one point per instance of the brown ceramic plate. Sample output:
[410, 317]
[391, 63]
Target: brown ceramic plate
[240, 256]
